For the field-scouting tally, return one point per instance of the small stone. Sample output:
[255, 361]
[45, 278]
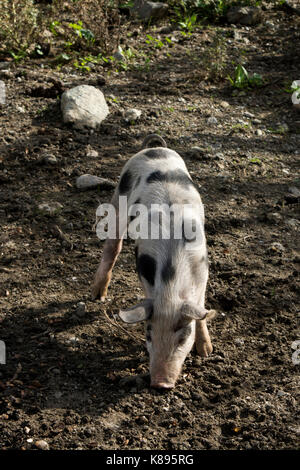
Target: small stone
[132, 115]
[49, 158]
[239, 341]
[294, 191]
[118, 55]
[276, 246]
[259, 132]
[212, 121]
[274, 217]
[92, 153]
[246, 15]
[224, 104]
[81, 307]
[89, 181]
[197, 151]
[21, 109]
[281, 393]
[43, 445]
[147, 10]
[50, 208]
[293, 223]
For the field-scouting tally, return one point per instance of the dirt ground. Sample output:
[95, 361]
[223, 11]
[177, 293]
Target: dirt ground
[73, 377]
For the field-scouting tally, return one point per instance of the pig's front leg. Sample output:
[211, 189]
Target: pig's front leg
[102, 278]
[203, 343]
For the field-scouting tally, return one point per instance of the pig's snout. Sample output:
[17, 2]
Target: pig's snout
[162, 384]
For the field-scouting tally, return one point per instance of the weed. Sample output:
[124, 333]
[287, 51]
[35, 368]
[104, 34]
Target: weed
[242, 79]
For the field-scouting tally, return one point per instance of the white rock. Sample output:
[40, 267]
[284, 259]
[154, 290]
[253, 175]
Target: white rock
[259, 132]
[276, 246]
[84, 106]
[224, 104]
[212, 121]
[147, 10]
[43, 445]
[132, 114]
[92, 153]
[294, 191]
[21, 109]
[89, 181]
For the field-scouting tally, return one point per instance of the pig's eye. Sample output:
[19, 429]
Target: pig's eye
[183, 334]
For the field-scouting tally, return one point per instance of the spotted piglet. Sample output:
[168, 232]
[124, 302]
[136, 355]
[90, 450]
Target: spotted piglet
[171, 261]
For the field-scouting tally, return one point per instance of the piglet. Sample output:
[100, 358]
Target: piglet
[171, 260]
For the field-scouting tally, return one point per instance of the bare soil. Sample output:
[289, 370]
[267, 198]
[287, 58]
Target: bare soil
[75, 378]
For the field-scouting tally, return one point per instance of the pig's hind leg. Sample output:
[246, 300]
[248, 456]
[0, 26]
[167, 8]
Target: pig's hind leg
[111, 250]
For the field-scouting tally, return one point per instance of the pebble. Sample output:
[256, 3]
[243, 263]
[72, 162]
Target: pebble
[224, 104]
[294, 191]
[81, 307]
[212, 121]
[92, 153]
[132, 114]
[239, 341]
[274, 217]
[293, 223]
[43, 445]
[259, 132]
[21, 109]
[50, 158]
[89, 181]
[50, 208]
[276, 246]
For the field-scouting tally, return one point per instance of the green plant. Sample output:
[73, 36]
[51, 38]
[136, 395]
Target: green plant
[82, 32]
[242, 79]
[189, 23]
[19, 26]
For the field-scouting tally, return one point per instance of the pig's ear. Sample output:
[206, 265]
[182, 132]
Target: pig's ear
[139, 312]
[191, 311]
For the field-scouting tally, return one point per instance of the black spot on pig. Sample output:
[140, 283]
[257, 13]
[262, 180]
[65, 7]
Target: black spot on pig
[174, 176]
[184, 334]
[168, 271]
[125, 183]
[146, 267]
[156, 154]
[137, 182]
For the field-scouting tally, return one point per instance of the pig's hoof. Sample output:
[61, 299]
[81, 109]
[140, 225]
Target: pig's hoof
[204, 349]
